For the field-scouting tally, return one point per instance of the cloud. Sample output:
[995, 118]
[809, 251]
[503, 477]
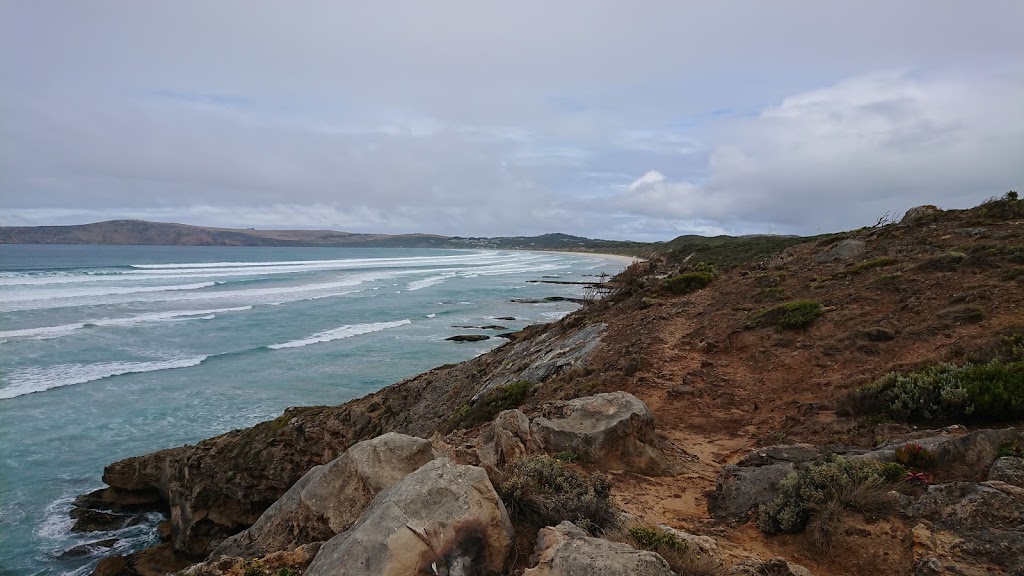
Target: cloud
[459, 117]
[841, 155]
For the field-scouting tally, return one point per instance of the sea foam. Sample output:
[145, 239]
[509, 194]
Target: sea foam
[28, 380]
[339, 333]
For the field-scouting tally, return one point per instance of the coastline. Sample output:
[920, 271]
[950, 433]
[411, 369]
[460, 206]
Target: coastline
[616, 257]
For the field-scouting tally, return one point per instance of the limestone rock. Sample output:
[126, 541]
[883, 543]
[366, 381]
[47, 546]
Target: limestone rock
[739, 489]
[703, 544]
[443, 515]
[960, 457]
[565, 550]
[919, 212]
[844, 250]
[293, 560]
[504, 441]
[613, 431]
[1008, 469]
[331, 497]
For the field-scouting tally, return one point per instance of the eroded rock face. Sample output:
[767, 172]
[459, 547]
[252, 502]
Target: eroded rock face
[443, 515]
[566, 550]
[981, 523]
[331, 497]
[613, 431]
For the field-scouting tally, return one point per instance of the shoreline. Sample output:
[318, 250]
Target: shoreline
[616, 257]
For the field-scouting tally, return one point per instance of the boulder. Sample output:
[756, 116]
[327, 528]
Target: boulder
[330, 497]
[844, 250]
[566, 550]
[1008, 469]
[444, 518]
[918, 213]
[284, 562]
[613, 431]
[503, 441]
[740, 488]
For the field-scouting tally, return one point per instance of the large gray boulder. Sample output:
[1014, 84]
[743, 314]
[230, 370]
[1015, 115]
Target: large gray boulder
[331, 497]
[740, 488]
[566, 550]
[444, 518]
[842, 251]
[614, 431]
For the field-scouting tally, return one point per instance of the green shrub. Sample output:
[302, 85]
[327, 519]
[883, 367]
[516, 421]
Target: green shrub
[893, 472]
[652, 539]
[502, 398]
[992, 391]
[858, 484]
[541, 491]
[1013, 448]
[688, 282]
[1014, 274]
[791, 315]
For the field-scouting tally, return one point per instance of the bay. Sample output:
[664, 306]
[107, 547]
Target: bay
[113, 351]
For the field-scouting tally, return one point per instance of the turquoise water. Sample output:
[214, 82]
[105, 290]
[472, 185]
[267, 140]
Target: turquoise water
[112, 351]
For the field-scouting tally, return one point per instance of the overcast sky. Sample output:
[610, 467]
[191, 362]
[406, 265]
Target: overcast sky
[631, 119]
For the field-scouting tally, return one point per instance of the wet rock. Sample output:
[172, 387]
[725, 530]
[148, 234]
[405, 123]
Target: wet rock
[87, 520]
[614, 431]
[443, 517]
[468, 338]
[510, 318]
[89, 548]
[739, 489]
[331, 497]
[565, 550]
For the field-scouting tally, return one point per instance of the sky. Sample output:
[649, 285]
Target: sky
[640, 120]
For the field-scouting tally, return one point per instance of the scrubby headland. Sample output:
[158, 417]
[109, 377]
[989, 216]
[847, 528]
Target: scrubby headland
[847, 404]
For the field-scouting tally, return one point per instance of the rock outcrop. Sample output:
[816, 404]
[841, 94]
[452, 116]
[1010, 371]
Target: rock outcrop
[741, 488]
[331, 497]
[566, 550]
[612, 431]
[444, 518]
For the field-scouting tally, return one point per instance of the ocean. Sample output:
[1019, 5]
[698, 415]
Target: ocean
[113, 351]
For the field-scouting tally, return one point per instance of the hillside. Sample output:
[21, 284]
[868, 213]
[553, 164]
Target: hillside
[754, 368]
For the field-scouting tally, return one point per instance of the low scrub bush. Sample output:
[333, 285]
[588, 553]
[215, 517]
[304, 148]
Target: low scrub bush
[682, 558]
[944, 392]
[948, 262]
[791, 315]
[824, 489]
[541, 491]
[688, 282]
[505, 397]
[1008, 207]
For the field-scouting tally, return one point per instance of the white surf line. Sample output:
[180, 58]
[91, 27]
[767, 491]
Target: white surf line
[346, 331]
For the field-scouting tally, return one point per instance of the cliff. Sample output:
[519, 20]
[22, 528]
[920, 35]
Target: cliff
[768, 352]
